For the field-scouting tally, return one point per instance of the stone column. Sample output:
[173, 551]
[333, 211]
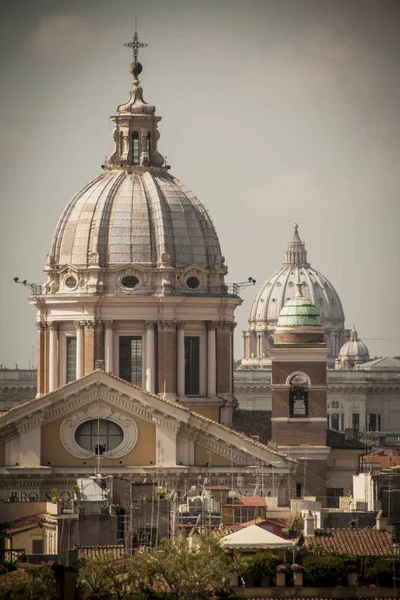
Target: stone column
[98, 340]
[89, 347]
[259, 344]
[167, 359]
[211, 358]
[40, 360]
[224, 354]
[53, 356]
[46, 358]
[79, 348]
[180, 357]
[109, 346]
[150, 356]
[244, 349]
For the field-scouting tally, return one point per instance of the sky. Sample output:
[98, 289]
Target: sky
[274, 112]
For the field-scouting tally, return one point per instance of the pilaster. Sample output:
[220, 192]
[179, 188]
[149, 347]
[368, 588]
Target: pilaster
[53, 355]
[167, 358]
[89, 346]
[150, 356]
[211, 358]
[180, 352]
[109, 346]
[41, 358]
[79, 349]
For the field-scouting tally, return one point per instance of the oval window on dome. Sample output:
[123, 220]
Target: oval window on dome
[70, 282]
[99, 436]
[129, 282]
[193, 283]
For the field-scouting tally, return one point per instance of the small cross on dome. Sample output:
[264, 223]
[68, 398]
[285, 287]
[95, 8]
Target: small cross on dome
[135, 45]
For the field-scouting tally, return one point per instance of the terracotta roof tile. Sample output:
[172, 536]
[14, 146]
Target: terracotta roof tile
[115, 551]
[26, 522]
[355, 542]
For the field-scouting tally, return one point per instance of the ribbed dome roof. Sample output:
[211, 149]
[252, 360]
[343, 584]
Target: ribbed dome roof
[139, 216]
[299, 312]
[135, 211]
[354, 351]
[274, 292]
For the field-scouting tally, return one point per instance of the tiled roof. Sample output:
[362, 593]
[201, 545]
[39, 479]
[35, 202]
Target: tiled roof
[355, 542]
[248, 501]
[25, 523]
[213, 488]
[381, 460]
[115, 551]
[337, 439]
[253, 423]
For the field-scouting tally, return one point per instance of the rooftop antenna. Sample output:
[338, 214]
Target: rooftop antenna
[236, 287]
[36, 288]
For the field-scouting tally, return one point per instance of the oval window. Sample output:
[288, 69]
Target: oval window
[70, 282]
[192, 283]
[129, 282]
[99, 435]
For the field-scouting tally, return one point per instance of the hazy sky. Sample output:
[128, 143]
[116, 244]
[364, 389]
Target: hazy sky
[274, 111]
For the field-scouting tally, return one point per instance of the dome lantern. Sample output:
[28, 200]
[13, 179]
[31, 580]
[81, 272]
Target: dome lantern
[135, 131]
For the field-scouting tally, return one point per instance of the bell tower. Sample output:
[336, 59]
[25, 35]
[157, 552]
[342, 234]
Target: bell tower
[299, 390]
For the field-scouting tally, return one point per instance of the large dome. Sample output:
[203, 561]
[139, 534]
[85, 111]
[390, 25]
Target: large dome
[143, 216]
[135, 228]
[275, 292]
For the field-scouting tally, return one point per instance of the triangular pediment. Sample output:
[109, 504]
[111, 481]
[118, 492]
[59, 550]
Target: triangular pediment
[103, 394]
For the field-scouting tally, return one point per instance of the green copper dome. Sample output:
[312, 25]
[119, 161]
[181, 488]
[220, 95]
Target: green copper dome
[299, 312]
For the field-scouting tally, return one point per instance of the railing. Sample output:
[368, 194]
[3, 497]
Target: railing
[12, 375]
[12, 555]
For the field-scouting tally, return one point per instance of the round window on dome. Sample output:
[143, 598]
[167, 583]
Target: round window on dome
[129, 282]
[71, 282]
[193, 283]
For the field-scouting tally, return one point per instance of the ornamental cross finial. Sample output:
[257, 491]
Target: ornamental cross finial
[135, 45]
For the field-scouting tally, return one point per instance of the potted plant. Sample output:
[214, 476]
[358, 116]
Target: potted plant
[281, 571]
[352, 575]
[297, 574]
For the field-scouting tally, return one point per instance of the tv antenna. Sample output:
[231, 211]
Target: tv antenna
[36, 288]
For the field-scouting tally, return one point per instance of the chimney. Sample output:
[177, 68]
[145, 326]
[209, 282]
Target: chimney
[381, 521]
[309, 524]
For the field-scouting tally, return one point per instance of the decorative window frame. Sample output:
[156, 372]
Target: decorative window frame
[193, 272]
[70, 272]
[98, 411]
[140, 275]
[290, 377]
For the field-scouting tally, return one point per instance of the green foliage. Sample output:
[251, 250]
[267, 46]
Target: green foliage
[7, 566]
[191, 575]
[259, 565]
[36, 584]
[237, 363]
[323, 570]
[56, 496]
[76, 492]
[382, 570]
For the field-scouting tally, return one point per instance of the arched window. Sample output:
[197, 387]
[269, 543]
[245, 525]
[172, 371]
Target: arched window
[148, 145]
[299, 396]
[135, 148]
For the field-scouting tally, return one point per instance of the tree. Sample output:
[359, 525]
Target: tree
[36, 584]
[191, 574]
